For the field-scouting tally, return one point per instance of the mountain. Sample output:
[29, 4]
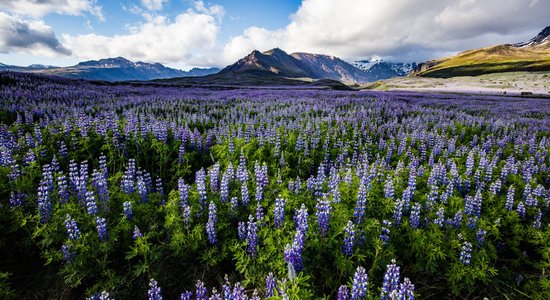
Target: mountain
[533, 55]
[40, 66]
[377, 69]
[296, 65]
[543, 38]
[113, 69]
[330, 67]
[274, 61]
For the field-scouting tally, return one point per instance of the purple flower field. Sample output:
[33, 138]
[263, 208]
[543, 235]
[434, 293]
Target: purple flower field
[121, 191]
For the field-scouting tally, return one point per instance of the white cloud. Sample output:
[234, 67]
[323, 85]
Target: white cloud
[212, 10]
[34, 37]
[397, 29]
[40, 8]
[153, 4]
[188, 39]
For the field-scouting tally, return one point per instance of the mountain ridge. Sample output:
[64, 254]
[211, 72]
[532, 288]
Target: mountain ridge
[297, 65]
[112, 69]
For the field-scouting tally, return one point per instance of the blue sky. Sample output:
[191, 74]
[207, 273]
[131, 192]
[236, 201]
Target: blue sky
[187, 33]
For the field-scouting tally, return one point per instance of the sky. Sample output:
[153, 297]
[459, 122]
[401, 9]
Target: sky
[190, 33]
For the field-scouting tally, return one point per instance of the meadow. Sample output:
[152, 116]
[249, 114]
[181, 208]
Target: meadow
[119, 191]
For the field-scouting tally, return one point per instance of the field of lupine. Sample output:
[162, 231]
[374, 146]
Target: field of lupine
[139, 192]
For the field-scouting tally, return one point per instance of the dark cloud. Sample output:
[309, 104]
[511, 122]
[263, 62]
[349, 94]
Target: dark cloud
[30, 36]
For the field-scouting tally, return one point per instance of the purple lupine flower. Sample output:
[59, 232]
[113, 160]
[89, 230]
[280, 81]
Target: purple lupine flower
[68, 254]
[241, 231]
[244, 194]
[406, 290]
[336, 198]
[226, 288]
[472, 222]
[186, 295]
[385, 235]
[142, 189]
[158, 187]
[520, 209]
[440, 217]
[184, 192]
[360, 284]
[101, 225]
[359, 212]
[391, 280]
[477, 203]
[298, 185]
[252, 236]
[323, 210]
[397, 212]
[100, 296]
[214, 174]
[215, 295]
[233, 205]
[186, 214]
[99, 182]
[72, 228]
[127, 210]
[62, 189]
[91, 206]
[537, 223]
[414, 220]
[137, 233]
[293, 253]
[349, 239]
[480, 236]
[457, 220]
[242, 172]
[259, 213]
[279, 212]
[259, 193]
[238, 292]
[343, 293]
[231, 146]
[495, 187]
[466, 253]
[44, 204]
[469, 163]
[300, 218]
[201, 186]
[211, 224]
[270, 285]
[103, 166]
[154, 290]
[201, 291]
[388, 189]
[224, 188]
[16, 199]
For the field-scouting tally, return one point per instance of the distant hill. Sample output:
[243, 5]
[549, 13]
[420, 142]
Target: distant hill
[533, 55]
[296, 65]
[113, 69]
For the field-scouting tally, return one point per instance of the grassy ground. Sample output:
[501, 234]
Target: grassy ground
[497, 83]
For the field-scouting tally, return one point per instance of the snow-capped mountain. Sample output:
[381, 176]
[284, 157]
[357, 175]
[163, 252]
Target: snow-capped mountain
[40, 66]
[378, 69]
[542, 38]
